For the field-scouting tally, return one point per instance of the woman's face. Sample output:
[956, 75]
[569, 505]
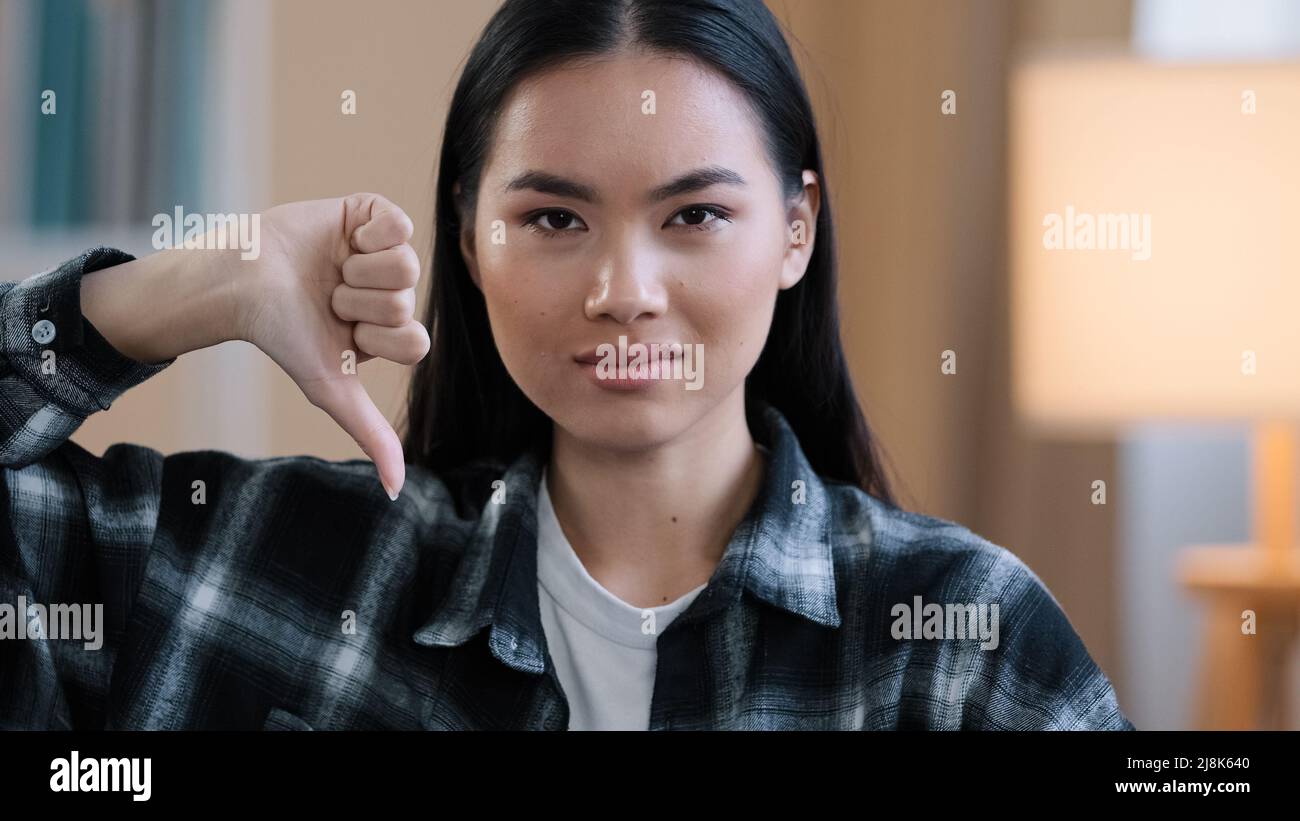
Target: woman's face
[577, 241]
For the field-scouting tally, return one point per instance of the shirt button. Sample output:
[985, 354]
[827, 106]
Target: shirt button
[43, 331]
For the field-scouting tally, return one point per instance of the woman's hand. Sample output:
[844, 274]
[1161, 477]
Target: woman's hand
[332, 287]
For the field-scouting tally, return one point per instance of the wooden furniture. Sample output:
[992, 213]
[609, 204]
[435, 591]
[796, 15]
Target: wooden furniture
[1244, 681]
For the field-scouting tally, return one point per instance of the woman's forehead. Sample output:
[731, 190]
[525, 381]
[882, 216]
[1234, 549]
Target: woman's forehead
[609, 115]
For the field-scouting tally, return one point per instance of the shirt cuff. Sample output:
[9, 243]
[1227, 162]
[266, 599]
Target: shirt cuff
[49, 343]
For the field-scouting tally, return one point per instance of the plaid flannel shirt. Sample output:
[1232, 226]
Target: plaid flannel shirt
[296, 595]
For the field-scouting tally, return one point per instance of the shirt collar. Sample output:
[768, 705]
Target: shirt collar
[780, 552]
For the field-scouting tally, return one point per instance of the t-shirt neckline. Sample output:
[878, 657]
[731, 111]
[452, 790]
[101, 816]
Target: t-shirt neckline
[563, 576]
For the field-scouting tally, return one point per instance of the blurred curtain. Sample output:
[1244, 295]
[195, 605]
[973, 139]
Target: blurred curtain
[125, 137]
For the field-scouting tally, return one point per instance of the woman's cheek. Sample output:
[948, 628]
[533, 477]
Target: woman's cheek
[507, 297]
[733, 311]
[523, 313]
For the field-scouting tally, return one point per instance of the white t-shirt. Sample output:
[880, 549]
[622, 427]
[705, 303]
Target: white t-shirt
[604, 659]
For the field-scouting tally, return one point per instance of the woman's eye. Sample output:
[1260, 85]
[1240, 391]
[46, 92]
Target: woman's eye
[699, 217]
[558, 222]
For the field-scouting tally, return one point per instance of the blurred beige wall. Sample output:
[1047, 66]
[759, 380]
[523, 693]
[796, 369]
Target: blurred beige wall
[917, 195]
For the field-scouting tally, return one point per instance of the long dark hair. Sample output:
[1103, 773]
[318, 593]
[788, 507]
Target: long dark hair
[464, 408]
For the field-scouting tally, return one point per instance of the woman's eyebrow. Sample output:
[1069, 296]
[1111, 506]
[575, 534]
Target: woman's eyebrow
[696, 180]
[556, 185]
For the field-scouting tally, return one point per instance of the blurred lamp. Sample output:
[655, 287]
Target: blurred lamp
[1155, 212]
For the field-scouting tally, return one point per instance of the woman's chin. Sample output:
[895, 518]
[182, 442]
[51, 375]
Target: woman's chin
[623, 426]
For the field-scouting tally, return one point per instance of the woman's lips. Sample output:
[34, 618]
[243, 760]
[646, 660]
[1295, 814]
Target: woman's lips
[666, 352]
[634, 379]
[617, 383]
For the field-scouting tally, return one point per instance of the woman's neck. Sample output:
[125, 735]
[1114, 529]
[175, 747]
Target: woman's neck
[652, 525]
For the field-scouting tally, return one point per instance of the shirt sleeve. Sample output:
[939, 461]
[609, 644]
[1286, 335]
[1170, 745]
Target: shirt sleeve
[75, 528]
[1040, 676]
[57, 369]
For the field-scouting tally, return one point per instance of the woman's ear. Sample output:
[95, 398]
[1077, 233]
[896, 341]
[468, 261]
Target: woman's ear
[466, 237]
[801, 226]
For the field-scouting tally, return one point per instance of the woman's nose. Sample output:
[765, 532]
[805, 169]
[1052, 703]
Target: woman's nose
[628, 285]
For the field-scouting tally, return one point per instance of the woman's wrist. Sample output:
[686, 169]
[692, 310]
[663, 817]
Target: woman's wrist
[158, 307]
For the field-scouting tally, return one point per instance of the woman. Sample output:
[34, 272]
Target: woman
[563, 543]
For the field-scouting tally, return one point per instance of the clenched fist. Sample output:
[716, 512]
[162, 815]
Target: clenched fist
[334, 276]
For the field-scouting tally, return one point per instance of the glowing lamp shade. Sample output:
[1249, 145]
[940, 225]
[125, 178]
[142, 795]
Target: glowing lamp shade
[1155, 242]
